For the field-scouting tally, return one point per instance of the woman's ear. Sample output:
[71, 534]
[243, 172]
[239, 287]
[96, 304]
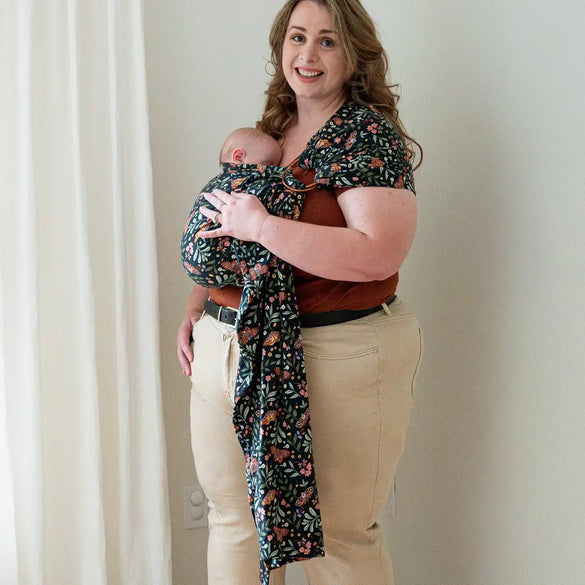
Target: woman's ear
[238, 155]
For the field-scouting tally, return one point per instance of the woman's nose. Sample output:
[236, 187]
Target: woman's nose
[309, 54]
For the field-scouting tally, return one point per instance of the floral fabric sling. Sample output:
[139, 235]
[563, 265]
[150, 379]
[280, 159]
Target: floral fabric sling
[271, 412]
[356, 147]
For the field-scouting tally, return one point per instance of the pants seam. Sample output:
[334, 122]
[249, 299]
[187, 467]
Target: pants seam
[386, 575]
[378, 381]
[416, 369]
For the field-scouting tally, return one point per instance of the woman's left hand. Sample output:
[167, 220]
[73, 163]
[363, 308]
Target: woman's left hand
[241, 215]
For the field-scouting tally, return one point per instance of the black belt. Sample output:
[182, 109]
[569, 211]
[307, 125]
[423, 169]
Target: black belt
[229, 316]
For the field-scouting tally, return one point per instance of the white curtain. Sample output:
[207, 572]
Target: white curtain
[82, 456]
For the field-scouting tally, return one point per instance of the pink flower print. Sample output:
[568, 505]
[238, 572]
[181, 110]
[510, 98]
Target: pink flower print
[306, 468]
[304, 546]
[252, 465]
[373, 128]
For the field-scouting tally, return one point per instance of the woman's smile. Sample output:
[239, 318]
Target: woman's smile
[308, 74]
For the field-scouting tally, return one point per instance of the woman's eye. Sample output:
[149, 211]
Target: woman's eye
[297, 38]
[328, 43]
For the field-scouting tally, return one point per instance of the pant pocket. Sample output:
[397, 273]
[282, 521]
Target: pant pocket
[231, 359]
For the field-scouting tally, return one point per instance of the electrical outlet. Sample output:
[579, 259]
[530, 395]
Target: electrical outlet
[195, 507]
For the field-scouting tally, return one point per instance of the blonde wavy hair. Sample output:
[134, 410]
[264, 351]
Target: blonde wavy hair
[366, 59]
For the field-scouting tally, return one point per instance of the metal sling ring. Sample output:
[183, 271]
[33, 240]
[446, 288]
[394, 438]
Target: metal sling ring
[294, 163]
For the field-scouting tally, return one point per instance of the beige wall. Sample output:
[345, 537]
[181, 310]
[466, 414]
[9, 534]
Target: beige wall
[491, 489]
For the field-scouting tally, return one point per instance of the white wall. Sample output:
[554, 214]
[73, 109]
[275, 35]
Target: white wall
[491, 489]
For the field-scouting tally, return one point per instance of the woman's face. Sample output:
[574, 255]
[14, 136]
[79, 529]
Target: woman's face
[312, 58]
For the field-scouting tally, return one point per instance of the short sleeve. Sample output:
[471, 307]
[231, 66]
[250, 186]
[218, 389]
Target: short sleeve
[363, 150]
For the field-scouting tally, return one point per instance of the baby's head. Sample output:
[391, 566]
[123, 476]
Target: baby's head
[250, 146]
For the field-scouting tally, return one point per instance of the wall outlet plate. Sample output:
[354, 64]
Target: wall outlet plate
[196, 507]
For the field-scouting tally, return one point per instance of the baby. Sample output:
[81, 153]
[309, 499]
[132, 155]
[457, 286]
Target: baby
[249, 164]
[250, 146]
[245, 146]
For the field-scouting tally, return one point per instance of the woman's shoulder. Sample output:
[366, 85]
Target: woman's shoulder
[359, 147]
[355, 126]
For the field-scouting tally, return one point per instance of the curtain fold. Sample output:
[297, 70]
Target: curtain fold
[8, 566]
[84, 434]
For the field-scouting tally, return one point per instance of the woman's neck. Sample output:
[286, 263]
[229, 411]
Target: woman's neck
[311, 115]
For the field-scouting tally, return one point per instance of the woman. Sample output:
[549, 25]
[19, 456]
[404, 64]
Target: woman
[362, 344]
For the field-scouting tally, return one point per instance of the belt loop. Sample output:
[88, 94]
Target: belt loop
[387, 309]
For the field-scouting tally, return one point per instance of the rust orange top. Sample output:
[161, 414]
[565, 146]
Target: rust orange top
[316, 294]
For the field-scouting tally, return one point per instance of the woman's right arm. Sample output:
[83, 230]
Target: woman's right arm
[193, 313]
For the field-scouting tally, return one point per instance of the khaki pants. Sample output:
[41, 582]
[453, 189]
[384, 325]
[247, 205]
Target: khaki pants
[361, 377]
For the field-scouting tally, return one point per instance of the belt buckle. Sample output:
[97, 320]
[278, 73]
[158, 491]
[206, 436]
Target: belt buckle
[224, 316]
